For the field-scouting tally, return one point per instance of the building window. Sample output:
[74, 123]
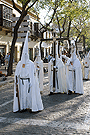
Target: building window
[5, 16]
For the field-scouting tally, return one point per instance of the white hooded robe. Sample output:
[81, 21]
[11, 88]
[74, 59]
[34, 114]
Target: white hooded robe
[50, 75]
[70, 75]
[60, 77]
[78, 77]
[75, 78]
[29, 91]
[86, 67]
[39, 71]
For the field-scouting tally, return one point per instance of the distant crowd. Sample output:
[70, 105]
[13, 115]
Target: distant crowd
[4, 59]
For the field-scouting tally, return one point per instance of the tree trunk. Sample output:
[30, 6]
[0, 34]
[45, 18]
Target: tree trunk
[68, 32]
[40, 49]
[10, 65]
[21, 50]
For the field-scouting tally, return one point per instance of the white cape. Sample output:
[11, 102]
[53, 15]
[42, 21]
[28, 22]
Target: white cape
[86, 67]
[61, 85]
[69, 75]
[39, 71]
[50, 75]
[78, 77]
[31, 100]
[28, 86]
[76, 83]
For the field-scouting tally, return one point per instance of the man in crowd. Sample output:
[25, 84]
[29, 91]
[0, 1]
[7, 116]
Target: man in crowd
[0, 59]
[6, 61]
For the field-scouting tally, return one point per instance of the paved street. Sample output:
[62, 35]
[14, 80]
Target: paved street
[62, 115]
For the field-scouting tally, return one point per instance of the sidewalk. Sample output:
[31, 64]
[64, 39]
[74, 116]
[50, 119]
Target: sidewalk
[9, 78]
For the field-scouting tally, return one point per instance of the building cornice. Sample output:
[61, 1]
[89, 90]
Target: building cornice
[9, 3]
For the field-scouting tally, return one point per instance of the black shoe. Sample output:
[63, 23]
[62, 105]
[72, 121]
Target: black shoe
[24, 110]
[69, 92]
[51, 93]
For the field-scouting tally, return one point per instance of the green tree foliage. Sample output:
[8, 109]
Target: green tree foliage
[70, 16]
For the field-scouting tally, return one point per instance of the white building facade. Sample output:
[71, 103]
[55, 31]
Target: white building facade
[8, 20]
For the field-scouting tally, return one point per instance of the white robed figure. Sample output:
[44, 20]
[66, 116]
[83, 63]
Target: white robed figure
[50, 75]
[86, 67]
[75, 75]
[89, 62]
[39, 70]
[27, 83]
[60, 77]
[69, 75]
[78, 75]
[82, 66]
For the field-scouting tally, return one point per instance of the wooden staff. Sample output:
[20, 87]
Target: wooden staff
[17, 93]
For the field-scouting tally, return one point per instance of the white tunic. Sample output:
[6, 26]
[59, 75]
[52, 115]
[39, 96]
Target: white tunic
[60, 77]
[28, 86]
[82, 67]
[78, 77]
[32, 99]
[39, 71]
[86, 67]
[70, 75]
[50, 75]
[74, 77]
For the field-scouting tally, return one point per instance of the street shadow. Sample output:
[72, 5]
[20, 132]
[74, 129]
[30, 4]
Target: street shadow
[52, 104]
[57, 98]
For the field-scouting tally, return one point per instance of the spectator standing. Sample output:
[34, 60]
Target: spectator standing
[6, 61]
[3, 58]
[8, 58]
[0, 59]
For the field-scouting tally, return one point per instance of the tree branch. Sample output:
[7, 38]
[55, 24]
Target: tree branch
[77, 29]
[45, 27]
[24, 6]
[58, 25]
[69, 28]
[14, 6]
[52, 16]
[31, 5]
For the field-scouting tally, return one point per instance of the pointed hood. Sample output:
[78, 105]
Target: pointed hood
[60, 52]
[25, 55]
[73, 55]
[24, 59]
[38, 58]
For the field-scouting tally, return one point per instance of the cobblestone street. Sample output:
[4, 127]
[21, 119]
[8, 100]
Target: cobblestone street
[62, 115]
